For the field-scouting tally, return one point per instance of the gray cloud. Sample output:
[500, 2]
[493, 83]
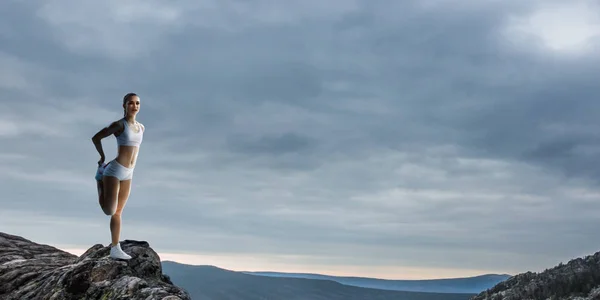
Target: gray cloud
[418, 130]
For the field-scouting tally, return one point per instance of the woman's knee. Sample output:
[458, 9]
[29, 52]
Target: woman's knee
[117, 213]
[109, 210]
[109, 205]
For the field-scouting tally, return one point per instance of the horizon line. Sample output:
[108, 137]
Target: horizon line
[246, 264]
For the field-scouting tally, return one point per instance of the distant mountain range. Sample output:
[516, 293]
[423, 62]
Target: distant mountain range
[466, 285]
[210, 282]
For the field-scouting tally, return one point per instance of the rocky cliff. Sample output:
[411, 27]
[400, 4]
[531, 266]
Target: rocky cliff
[34, 271]
[579, 279]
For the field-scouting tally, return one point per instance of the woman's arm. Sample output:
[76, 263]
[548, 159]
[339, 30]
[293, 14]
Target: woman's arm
[104, 132]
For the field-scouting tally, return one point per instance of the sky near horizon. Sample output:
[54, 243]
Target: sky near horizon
[390, 139]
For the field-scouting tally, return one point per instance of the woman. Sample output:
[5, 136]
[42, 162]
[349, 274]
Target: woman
[114, 178]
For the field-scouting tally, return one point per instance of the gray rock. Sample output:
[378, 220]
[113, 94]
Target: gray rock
[35, 271]
[579, 279]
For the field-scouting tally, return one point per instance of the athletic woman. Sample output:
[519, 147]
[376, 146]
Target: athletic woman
[114, 178]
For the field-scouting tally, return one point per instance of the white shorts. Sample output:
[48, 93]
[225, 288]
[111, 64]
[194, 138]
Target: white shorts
[115, 169]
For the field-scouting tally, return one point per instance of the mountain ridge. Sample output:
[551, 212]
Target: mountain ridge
[376, 278]
[578, 279]
[472, 284]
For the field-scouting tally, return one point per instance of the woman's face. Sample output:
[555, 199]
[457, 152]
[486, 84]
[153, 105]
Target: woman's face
[133, 105]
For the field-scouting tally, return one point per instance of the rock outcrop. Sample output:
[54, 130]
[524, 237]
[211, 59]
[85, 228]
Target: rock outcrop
[34, 271]
[579, 279]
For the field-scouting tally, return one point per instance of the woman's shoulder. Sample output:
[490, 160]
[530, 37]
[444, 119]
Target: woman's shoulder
[117, 125]
[141, 125]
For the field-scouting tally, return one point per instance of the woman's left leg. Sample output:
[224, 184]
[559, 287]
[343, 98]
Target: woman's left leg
[115, 220]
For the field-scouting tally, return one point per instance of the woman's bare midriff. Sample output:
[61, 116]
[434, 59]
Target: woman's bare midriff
[127, 155]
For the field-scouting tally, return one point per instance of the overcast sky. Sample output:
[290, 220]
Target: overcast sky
[392, 139]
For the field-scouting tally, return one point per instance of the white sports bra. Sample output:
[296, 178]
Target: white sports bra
[129, 137]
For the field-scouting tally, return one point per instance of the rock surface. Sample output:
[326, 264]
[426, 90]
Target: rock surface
[34, 271]
[579, 279]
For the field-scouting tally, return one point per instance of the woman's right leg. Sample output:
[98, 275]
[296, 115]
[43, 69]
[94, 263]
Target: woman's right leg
[111, 181]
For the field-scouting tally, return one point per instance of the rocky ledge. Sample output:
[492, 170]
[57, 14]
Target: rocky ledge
[34, 271]
[579, 279]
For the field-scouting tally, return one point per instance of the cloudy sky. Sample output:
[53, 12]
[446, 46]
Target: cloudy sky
[393, 139]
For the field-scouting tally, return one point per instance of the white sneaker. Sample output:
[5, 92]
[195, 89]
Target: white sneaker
[117, 252]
